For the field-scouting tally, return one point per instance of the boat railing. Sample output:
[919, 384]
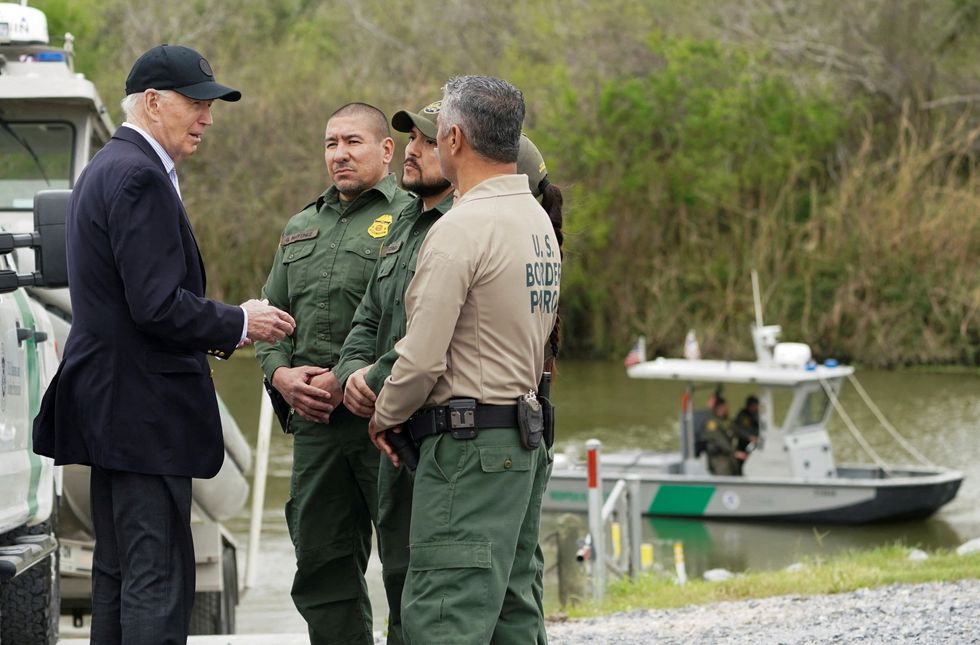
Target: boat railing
[883, 466]
[886, 424]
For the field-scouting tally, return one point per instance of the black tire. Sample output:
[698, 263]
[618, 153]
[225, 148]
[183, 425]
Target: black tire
[213, 611]
[31, 602]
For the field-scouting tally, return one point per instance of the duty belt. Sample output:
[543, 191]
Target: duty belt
[461, 418]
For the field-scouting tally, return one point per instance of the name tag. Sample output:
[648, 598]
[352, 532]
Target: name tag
[299, 237]
[390, 249]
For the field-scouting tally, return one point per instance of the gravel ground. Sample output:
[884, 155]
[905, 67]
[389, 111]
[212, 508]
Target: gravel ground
[945, 613]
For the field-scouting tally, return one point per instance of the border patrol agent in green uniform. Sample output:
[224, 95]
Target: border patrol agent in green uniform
[480, 310]
[325, 258]
[380, 321]
[724, 456]
[368, 353]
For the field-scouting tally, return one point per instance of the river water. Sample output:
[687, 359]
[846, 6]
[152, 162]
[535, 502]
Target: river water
[938, 412]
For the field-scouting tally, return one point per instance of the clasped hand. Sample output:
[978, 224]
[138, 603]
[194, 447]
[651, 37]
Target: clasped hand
[313, 392]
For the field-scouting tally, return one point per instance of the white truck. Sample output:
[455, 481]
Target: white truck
[52, 122]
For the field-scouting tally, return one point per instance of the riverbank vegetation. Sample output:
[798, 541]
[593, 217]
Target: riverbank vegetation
[831, 146]
[817, 575]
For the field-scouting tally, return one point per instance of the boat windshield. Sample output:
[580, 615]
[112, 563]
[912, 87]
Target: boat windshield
[781, 400]
[814, 408]
[811, 409]
[33, 156]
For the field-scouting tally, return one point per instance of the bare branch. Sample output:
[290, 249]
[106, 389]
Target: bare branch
[945, 101]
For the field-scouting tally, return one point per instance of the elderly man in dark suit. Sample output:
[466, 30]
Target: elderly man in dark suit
[133, 397]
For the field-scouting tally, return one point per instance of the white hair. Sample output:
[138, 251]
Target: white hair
[132, 102]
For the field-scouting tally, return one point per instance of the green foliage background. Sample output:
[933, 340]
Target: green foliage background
[831, 146]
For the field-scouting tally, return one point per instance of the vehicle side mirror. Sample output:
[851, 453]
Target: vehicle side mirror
[51, 255]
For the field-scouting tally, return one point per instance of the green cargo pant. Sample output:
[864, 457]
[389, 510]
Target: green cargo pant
[394, 518]
[475, 567]
[332, 501]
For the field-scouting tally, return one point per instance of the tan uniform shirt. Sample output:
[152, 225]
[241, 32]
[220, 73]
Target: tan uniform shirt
[481, 305]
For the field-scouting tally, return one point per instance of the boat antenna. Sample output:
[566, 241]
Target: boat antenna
[757, 298]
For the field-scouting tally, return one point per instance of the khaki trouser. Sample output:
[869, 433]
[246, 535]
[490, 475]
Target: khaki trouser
[475, 567]
[332, 499]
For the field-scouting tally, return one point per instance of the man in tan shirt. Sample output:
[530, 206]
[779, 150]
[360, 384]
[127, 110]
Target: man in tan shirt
[480, 310]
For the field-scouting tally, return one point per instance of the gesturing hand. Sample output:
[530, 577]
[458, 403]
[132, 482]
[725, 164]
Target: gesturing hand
[267, 323]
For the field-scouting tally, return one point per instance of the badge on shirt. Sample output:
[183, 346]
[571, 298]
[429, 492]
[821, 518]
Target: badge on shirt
[390, 249]
[379, 227]
[299, 237]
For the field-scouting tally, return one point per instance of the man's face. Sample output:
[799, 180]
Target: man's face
[356, 157]
[180, 123]
[422, 174]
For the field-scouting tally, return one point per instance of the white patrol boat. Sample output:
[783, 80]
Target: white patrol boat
[791, 475]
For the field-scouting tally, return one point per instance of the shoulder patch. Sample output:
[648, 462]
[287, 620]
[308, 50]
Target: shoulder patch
[379, 227]
[299, 237]
[712, 425]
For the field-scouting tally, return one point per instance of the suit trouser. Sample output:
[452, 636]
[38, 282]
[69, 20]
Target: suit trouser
[475, 568]
[143, 568]
[333, 499]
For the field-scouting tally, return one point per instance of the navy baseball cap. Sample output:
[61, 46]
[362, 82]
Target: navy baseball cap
[178, 68]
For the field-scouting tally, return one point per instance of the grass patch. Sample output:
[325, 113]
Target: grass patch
[821, 575]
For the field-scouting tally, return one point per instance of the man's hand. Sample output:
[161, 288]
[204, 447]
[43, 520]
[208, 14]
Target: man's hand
[327, 382]
[358, 397]
[267, 323]
[741, 455]
[309, 401]
[377, 434]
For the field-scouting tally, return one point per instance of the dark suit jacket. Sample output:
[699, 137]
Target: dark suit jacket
[133, 391]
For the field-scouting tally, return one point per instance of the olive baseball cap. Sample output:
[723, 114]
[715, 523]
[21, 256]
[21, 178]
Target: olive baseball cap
[424, 120]
[531, 163]
[178, 68]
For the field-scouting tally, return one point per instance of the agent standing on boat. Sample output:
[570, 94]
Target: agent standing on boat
[724, 456]
[746, 426]
[701, 416]
[480, 309]
[326, 256]
[133, 396]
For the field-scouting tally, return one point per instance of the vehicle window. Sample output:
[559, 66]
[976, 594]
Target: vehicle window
[33, 156]
[94, 145]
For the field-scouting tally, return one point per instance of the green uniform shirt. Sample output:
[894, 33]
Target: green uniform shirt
[720, 437]
[325, 258]
[380, 319]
